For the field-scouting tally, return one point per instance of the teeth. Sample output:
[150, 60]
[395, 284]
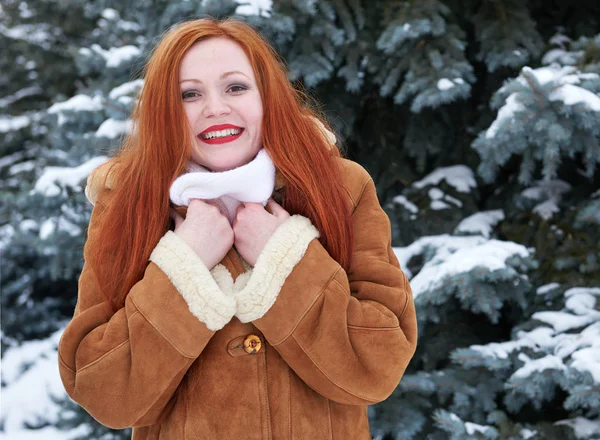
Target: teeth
[221, 133]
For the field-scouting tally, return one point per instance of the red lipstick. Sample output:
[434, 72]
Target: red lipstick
[220, 140]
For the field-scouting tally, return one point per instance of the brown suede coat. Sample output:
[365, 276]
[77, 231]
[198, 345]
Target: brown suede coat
[330, 344]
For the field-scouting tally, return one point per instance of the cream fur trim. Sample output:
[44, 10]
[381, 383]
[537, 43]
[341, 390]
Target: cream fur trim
[193, 280]
[283, 251]
[225, 280]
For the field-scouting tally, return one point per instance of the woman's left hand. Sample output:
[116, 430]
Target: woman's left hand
[254, 225]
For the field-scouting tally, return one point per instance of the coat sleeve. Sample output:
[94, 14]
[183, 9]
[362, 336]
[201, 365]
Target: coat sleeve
[349, 336]
[125, 367]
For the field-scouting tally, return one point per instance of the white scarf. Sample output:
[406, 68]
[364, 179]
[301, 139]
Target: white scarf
[253, 182]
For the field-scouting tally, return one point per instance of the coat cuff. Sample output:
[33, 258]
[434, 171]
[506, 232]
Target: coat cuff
[193, 280]
[283, 251]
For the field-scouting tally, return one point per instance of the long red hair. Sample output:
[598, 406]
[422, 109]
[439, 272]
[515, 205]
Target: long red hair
[159, 148]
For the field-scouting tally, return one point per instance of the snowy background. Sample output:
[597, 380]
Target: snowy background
[480, 124]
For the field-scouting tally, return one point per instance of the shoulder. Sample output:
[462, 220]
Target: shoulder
[101, 181]
[355, 179]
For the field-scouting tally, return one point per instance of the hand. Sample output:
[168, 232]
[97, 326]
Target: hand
[206, 230]
[254, 225]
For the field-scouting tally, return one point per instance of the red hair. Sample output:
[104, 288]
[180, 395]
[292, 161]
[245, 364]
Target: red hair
[159, 148]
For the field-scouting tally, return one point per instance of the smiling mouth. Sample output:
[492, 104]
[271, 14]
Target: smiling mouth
[220, 136]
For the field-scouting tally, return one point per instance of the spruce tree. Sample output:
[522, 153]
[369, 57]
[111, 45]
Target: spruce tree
[479, 121]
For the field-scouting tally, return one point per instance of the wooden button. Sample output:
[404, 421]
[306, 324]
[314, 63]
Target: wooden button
[252, 344]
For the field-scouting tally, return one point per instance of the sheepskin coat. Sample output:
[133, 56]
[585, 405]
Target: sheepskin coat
[292, 348]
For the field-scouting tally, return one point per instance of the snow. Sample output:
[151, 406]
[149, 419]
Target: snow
[562, 321]
[588, 359]
[472, 428]
[584, 347]
[6, 233]
[410, 206]
[47, 433]
[53, 177]
[126, 89]
[581, 302]
[584, 428]
[547, 209]
[505, 115]
[114, 56]
[481, 222]
[559, 39]
[546, 188]
[110, 14]
[550, 190]
[38, 33]
[438, 205]
[461, 177]
[31, 371]
[117, 55]
[76, 103]
[111, 128]
[567, 92]
[527, 433]
[254, 7]
[54, 224]
[547, 288]
[436, 195]
[13, 123]
[564, 77]
[454, 200]
[535, 339]
[22, 93]
[444, 84]
[12, 158]
[22, 166]
[28, 225]
[548, 362]
[561, 56]
[572, 95]
[455, 255]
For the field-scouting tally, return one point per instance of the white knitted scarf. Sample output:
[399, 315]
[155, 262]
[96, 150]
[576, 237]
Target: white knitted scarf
[252, 182]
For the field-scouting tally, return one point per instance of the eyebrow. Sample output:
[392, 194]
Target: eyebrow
[225, 75]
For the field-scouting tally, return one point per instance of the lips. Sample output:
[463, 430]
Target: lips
[223, 139]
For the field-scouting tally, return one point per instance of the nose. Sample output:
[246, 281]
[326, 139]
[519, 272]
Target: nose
[215, 105]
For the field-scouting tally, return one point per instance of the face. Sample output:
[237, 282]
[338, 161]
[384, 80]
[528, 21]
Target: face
[222, 104]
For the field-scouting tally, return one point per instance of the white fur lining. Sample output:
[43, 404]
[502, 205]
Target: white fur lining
[192, 279]
[286, 247]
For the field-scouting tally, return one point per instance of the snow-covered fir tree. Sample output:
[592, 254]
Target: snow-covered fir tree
[480, 123]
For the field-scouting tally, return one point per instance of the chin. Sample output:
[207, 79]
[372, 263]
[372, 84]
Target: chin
[227, 164]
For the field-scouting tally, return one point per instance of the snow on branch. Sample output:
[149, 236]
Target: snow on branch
[53, 178]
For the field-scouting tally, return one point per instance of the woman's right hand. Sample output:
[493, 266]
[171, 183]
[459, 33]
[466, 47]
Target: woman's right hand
[206, 230]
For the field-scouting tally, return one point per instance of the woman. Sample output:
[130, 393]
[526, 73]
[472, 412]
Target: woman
[251, 319]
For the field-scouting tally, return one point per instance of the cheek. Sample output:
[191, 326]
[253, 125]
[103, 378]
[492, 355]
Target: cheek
[257, 118]
[190, 114]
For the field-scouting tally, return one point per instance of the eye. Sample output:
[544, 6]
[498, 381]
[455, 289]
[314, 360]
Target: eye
[189, 94]
[237, 88]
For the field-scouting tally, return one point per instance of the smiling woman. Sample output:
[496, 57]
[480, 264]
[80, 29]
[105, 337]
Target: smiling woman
[240, 322]
[222, 104]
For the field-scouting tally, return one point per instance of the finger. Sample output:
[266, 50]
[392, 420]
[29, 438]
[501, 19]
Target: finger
[239, 208]
[276, 209]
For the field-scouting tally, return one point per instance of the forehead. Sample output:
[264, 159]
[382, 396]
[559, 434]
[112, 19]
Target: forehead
[212, 57]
